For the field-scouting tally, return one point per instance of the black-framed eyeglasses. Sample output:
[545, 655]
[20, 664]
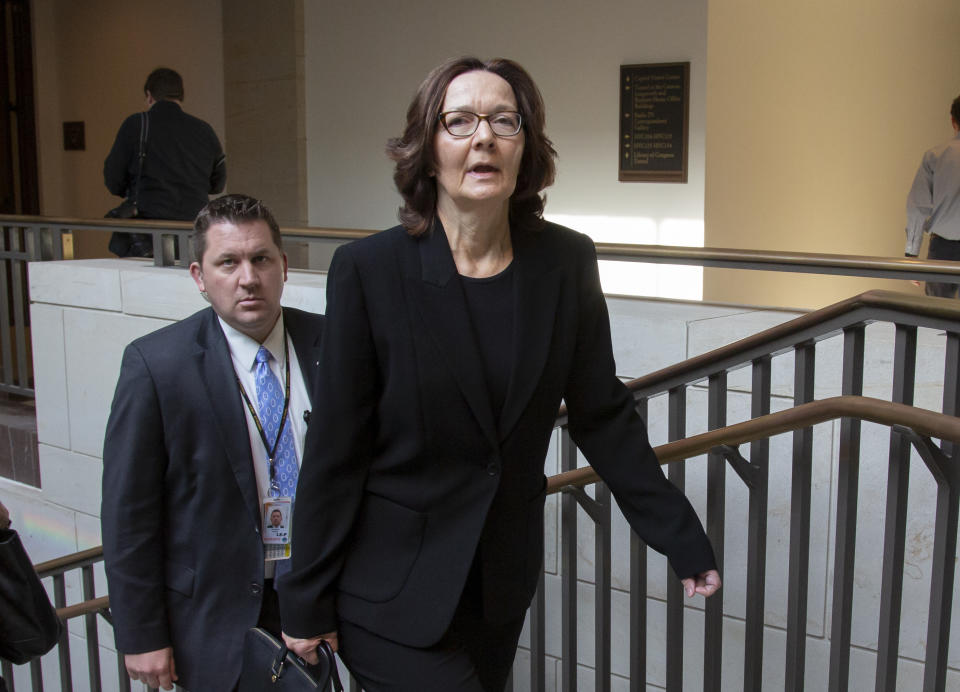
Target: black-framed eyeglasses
[465, 123]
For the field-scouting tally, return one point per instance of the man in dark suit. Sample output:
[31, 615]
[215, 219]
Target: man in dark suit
[189, 476]
[165, 161]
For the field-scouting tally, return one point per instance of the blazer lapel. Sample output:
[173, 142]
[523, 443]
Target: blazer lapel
[219, 380]
[535, 296]
[307, 347]
[443, 308]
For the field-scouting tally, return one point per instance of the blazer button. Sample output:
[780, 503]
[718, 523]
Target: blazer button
[255, 589]
[493, 468]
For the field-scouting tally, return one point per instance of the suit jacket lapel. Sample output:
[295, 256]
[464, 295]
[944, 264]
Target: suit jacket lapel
[307, 346]
[443, 308]
[535, 296]
[219, 379]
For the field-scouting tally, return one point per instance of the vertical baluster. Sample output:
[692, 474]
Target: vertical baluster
[538, 638]
[716, 511]
[676, 430]
[6, 337]
[601, 641]
[945, 540]
[93, 639]
[638, 601]
[36, 675]
[568, 573]
[757, 533]
[6, 672]
[163, 249]
[39, 246]
[799, 522]
[62, 237]
[122, 673]
[18, 283]
[848, 478]
[63, 646]
[945, 534]
[951, 387]
[895, 522]
[943, 565]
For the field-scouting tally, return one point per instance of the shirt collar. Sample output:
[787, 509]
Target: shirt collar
[244, 348]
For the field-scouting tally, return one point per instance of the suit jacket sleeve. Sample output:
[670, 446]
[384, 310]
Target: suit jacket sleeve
[337, 454]
[132, 513]
[116, 167]
[606, 427]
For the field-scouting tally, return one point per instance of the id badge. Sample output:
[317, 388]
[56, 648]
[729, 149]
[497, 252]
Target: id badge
[277, 517]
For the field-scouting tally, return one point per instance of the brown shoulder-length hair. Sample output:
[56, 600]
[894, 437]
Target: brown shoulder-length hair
[413, 152]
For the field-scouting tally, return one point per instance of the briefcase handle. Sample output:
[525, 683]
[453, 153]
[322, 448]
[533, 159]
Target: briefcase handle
[323, 651]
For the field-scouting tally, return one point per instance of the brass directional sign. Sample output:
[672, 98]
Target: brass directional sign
[654, 118]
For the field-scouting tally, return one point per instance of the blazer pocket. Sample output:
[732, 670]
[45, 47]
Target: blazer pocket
[385, 545]
[179, 578]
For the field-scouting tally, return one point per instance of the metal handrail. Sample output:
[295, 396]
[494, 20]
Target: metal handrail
[921, 421]
[782, 337]
[172, 226]
[66, 563]
[732, 258]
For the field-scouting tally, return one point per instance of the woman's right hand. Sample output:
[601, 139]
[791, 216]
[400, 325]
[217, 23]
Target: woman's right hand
[307, 648]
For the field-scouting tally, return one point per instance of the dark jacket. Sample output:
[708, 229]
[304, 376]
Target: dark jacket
[180, 514]
[184, 163]
[406, 474]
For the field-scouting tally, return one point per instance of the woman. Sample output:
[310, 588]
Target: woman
[451, 341]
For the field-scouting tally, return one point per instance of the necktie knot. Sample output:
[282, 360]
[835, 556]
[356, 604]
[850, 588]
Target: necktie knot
[263, 355]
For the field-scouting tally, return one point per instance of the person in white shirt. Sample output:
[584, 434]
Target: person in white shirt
[933, 205]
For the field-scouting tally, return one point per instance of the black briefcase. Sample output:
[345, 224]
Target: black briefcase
[269, 666]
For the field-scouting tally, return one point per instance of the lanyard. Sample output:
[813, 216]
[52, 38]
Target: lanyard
[271, 449]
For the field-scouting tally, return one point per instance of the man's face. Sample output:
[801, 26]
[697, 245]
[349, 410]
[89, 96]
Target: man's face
[242, 272]
[276, 518]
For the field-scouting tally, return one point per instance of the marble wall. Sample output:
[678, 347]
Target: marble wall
[85, 312]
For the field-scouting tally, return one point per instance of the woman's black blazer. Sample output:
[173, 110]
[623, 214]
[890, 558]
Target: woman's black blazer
[406, 474]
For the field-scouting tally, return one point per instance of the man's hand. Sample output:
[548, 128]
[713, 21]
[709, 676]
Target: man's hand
[706, 584]
[155, 668]
[307, 648]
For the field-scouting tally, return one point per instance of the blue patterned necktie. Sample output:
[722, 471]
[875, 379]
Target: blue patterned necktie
[270, 396]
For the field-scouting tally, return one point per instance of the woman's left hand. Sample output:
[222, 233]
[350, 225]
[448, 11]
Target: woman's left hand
[706, 584]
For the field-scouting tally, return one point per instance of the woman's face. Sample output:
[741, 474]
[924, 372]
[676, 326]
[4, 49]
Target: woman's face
[483, 167]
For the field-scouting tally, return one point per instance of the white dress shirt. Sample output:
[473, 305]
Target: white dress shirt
[933, 204]
[243, 352]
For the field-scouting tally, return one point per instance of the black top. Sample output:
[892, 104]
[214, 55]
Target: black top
[490, 304]
[184, 163]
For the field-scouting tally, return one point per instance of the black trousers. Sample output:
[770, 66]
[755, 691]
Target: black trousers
[473, 656]
[942, 249]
